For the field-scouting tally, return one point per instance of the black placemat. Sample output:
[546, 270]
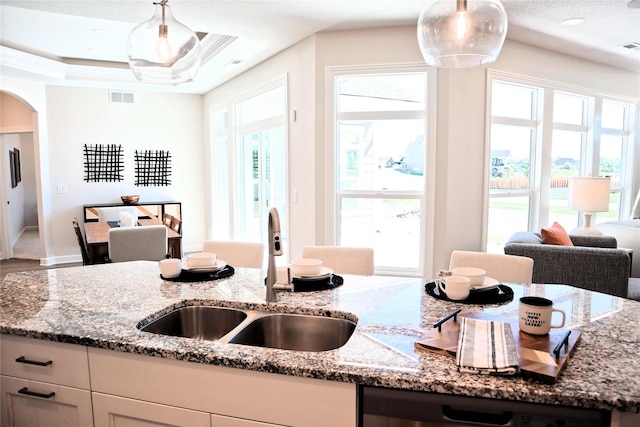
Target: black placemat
[307, 285]
[201, 276]
[498, 295]
[323, 284]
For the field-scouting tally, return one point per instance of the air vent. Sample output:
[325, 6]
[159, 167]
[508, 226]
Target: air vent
[121, 97]
[631, 46]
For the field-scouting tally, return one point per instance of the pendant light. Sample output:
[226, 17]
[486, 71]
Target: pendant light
[162, 50]
[462, 33]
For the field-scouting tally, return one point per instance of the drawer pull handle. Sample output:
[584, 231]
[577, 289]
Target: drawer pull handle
[25, 390]
[21, 359]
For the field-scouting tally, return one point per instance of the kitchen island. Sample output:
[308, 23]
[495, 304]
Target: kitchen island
[101, 307]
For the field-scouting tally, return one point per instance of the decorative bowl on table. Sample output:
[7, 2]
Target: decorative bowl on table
[130, 200]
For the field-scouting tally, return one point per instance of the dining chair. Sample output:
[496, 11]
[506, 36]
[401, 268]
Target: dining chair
[503, 268]
[237, 254]
[166, 219]
[81, 242]
[176, 225]
[138, 243]
[342, 259]
[112, 213]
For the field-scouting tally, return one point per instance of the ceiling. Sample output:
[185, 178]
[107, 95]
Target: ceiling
[83, 42]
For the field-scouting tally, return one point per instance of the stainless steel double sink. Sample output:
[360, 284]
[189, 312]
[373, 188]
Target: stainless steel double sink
[287, 331]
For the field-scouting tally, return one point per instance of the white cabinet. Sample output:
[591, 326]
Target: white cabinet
[242, 395]
[222, 421]
[44, 383]
[113, 411]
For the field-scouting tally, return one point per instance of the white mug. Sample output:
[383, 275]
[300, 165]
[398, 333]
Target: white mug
[170, 267]
[455, 287]
[535, 315]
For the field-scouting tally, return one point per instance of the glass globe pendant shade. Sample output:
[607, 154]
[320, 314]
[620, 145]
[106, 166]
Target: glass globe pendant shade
[162, 50]
[462, 33]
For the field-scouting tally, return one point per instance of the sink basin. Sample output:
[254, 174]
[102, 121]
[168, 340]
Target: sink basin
[296, 332]
[300, 332]
[200, 322]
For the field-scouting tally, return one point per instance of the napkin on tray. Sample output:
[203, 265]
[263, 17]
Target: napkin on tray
[486, 347]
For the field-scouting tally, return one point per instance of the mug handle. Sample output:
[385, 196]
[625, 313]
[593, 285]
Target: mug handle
[441, 287]
[564, 317]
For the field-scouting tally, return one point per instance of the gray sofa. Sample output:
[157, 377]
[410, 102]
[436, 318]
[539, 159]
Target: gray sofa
[594, 263]
[627, 233]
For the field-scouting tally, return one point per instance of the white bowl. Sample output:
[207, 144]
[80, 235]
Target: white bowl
[170, 267]
[476, 275]
[202, 259]
[306, 267]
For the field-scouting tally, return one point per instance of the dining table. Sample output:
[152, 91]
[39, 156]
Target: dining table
[97, 236]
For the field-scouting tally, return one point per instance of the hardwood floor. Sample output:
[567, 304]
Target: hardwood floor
[15, 264]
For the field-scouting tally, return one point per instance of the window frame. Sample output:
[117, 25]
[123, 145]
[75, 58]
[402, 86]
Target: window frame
[223, 221]
[426, 197]
[540, 169]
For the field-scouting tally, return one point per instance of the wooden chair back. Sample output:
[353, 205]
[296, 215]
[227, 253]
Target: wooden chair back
[81, 242]
[176, 225]
[166, 219]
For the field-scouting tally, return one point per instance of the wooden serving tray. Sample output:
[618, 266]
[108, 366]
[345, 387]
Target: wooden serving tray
[535, 352]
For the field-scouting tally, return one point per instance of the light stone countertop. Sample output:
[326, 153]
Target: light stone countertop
[101, 305]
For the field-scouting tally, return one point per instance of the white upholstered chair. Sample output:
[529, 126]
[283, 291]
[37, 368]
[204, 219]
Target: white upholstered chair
[112, 213]
[138, 243]
[237, 254]
[342, 259]
[503, 268]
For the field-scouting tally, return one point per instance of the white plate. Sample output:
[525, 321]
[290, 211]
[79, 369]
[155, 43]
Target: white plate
[324, 273]
[219, 266]
[489, 283]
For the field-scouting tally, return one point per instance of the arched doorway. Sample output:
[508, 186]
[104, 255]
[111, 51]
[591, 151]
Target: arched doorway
[19, 218]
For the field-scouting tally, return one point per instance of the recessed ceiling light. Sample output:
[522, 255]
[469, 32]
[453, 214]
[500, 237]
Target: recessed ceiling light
[573, 21]
[99, 31]
[94, 50]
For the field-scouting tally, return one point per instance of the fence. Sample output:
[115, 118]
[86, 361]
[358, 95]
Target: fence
[519, 182]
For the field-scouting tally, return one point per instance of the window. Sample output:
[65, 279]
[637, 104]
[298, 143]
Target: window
[249, 164]
[542, 134]
[380, 166]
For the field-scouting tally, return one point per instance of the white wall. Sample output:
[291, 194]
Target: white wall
[460, 145]
[79, 116]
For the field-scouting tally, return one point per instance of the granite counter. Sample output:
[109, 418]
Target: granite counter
[102, 305]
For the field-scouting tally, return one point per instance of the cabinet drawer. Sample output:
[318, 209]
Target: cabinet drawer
[230, 392]
[34, 403]
[48, 361]
[114, 411]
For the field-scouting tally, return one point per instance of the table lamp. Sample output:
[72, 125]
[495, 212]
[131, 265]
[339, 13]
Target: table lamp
[589, 194]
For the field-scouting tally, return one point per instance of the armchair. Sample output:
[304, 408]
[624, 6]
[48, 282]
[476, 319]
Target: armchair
[594, 262]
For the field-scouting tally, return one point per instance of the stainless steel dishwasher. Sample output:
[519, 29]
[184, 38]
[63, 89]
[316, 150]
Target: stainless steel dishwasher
[382, 407]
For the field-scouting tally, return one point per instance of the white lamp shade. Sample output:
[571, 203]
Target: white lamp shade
[462, 33]
[589, 194]
[162, 50]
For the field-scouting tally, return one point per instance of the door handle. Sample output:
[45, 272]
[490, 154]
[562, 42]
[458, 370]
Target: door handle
[22, 359]
[25, 390]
